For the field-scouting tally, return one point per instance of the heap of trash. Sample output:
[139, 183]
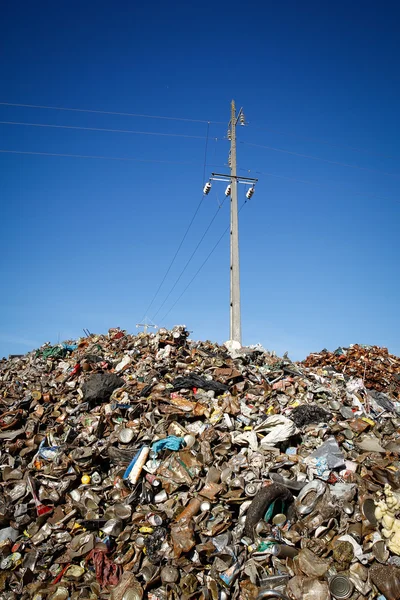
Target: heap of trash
[155, 467]
[379, 370]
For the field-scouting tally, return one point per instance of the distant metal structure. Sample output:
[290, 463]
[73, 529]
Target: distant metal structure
[231, 191]
[147, 324]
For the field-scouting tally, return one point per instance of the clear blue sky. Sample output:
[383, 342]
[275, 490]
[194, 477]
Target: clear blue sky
[85, 242]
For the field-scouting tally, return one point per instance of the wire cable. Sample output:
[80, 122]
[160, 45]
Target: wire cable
[104, 112]
[332, 162]
[123, 158]
[186, 232]
[181, 135]
[315, 183]
[177, 162]
[109, 112]
[321, 141]
[189, 259]
[201, 266]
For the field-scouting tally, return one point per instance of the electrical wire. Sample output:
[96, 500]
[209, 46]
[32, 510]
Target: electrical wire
[315, 183]
[177, 162]
[109, 112]
[123, 158]
[325, 142]
[332, 162]
[201, 267]
[186, 232]
[257, 128]
[181, 135]
[189, 259]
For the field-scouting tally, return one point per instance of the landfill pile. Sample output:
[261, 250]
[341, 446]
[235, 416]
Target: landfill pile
[155, 467]
[378, 369]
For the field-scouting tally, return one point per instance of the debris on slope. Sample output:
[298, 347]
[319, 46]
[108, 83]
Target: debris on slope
[155, 467]
[378, 369]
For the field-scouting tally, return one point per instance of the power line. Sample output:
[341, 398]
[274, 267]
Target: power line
[181, 135]
[321, 141]
[176, 162]
[123, 158]
[115, 158]
[104, 112]
[186, 232]
[189, 260]
[205, 153]
[315, 183]
[109, 112]
[200, 268]
[332, 162]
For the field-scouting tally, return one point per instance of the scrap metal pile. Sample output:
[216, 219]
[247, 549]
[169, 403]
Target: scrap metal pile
[154, 467]
[378, 369]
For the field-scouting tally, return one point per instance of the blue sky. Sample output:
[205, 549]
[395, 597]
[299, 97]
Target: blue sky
[85, 242]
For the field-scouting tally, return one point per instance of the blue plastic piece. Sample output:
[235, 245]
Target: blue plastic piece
[172, 442]
[70, 348]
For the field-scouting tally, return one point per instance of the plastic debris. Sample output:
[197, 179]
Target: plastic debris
[172, 442]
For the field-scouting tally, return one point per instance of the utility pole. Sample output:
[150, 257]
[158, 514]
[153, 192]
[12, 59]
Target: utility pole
[235, 312]
[235, 329]
[146, 325]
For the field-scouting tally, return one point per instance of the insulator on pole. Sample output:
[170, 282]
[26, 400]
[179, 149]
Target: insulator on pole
[228, 191]
[250, 192]
[207, 188]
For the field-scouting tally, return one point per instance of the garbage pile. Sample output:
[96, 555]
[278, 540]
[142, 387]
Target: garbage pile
[155, 467]
[378, 369]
